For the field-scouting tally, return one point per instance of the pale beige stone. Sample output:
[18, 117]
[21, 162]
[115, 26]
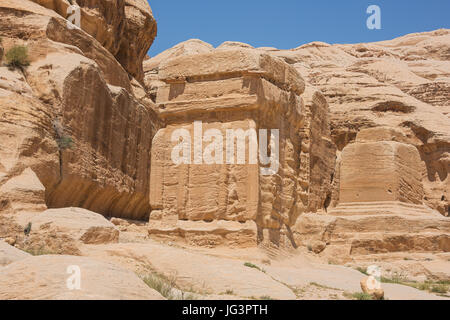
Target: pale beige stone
[374, 230]
[401, 84]
[238, 89]
[46, 278]
[196, 272]
[380, 171]
[75, 87]
[340, 108]
[80, 224]
[220, 273]
[9, 254]
[119, 222]
[126, 28]
[229, 62]
[206, 234]
[368, 288]
[24, 192]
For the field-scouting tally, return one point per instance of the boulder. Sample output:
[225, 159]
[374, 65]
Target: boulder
[120, 222]
[80, 224]
[318, 246]
[24, 192]
[370, 286]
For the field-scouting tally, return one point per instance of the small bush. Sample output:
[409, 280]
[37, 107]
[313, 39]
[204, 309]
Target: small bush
[396, 279]
[188, 296]
[65, 142]
[40, 251]
[361, 296]
[439, 288]
[161, 284]
[431, 286]
[253, 266]
[362, 270]
[422, 286]
[17, 57]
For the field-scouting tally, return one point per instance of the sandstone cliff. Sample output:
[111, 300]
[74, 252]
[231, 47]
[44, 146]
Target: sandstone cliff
[86, 130]
[75, 116]
[80, 120]
[401, 83]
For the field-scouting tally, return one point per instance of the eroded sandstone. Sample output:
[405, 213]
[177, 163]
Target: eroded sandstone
[239, 90]
[72, 116]
[362, 169]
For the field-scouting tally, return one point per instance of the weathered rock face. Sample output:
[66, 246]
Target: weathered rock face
[126, 28]
[73, 117]
[222, 92]
[140, 31]
[401, 83]
[80, 224]
[380, 207]
[380, 91]
[317, 152]
[89, 125]
[9, 254]
[394, 170]
[151, 66]
[23, 192]
[373, 230]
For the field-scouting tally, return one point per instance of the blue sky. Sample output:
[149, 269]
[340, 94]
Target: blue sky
[287, 24]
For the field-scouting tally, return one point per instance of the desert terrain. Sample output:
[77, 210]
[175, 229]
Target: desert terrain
[88, 180]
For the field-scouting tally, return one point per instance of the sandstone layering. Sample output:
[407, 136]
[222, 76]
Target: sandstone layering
[85, 131]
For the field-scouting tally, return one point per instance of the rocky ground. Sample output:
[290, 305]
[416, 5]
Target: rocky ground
[133, 266]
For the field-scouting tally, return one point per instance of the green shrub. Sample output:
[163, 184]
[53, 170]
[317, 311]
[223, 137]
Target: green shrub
[161, 284]
[17, 57]
[253, 266]
[361, 296]
[424, 286]
[40, 251]
[362, 270]
[65, 142]
[439, 288]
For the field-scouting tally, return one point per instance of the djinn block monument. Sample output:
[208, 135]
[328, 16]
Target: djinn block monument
[233, 161]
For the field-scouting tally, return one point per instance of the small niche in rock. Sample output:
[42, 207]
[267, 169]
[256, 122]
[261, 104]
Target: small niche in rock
[392, 106]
